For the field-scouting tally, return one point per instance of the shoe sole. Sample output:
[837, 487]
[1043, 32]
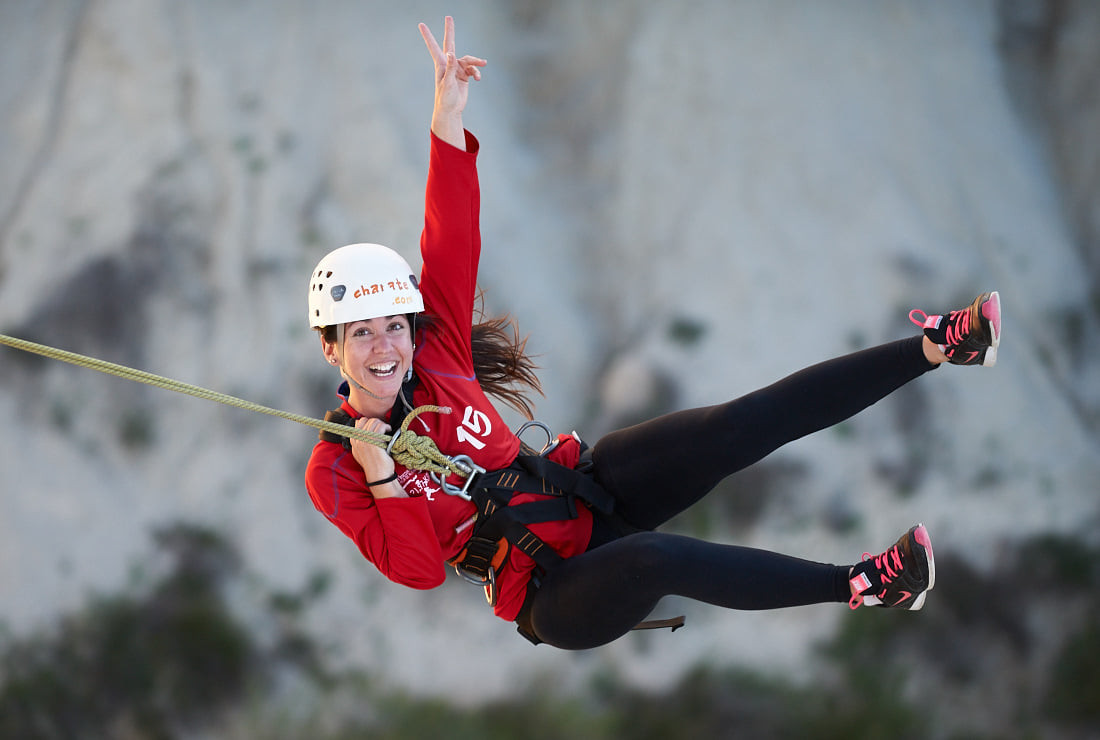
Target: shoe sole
[991, 318]
[920, 535]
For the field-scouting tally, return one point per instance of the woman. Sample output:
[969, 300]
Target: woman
[578, 563]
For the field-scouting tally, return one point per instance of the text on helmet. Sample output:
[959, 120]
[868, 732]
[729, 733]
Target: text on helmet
[376, 288]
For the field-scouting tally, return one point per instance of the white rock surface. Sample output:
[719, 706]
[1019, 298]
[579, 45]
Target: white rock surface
[789, 177]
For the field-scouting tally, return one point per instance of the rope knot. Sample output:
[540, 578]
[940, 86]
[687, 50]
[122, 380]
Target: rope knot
[418, 452]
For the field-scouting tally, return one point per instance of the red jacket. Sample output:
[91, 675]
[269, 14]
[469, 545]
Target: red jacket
[409, 539]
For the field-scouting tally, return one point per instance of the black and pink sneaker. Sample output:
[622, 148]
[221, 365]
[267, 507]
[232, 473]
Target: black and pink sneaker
[969, 336]
[899, 578]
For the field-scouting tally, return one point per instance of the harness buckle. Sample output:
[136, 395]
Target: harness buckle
[466, 466]
[489, 582]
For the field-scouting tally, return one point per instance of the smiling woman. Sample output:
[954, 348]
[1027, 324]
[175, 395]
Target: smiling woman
[565, 541]
[374, 355]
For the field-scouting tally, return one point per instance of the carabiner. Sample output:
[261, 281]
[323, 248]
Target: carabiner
[466, 466]
[389, 447]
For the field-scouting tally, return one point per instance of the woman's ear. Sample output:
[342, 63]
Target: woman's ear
[329, 350]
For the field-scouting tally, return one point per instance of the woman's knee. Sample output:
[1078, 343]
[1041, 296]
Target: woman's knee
[647, 554]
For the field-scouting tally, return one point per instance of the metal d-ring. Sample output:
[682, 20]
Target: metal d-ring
[489, 582]
[534, 423]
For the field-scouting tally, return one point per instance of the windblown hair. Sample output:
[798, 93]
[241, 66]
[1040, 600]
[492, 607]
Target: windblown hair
[502, 366]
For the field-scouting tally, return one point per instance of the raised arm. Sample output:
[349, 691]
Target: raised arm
[452, 83]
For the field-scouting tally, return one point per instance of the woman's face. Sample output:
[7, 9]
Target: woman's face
[376, 354]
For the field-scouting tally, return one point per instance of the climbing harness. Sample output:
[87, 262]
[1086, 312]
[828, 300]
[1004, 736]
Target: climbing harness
[500, 525]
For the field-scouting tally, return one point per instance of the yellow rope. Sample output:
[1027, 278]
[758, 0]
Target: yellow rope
[410, 449]
[419, 452]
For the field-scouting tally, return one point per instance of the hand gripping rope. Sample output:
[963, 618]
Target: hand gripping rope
[414, 451]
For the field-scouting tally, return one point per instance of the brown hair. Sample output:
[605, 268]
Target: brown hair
[503, 368]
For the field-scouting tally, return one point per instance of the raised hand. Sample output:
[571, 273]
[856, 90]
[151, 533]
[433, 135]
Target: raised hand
[452, 83]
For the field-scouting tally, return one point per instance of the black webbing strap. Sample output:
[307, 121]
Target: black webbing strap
[338, 416]
[510, 523]
[673, 624]
[479, 554]
[536, 474]
[568, 481]
[497, 518]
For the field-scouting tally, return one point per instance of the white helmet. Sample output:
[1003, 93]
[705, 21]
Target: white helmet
[361, 281]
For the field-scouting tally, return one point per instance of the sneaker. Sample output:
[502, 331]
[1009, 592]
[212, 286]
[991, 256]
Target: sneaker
[899, 578]
[969, 336]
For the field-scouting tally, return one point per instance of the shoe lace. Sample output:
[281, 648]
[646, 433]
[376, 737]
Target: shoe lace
[958, 327]
[889, 565]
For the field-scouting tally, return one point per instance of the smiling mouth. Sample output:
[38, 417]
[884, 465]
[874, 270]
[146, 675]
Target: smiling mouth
[383, 370]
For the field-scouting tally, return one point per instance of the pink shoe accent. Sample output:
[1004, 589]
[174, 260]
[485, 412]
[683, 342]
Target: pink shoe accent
[958, 332]
[928, 322]
[991, 310]
[859, 584]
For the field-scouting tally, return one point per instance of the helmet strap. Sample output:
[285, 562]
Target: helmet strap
[412, 333]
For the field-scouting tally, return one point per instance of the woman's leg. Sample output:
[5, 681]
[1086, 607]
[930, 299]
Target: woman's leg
[598, 596]
[658, 468]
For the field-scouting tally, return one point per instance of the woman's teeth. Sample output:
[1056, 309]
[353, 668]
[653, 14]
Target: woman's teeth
[383, 370]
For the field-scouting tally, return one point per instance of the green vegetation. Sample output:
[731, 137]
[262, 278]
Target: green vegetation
[146, 662]
[686, 331]
[169, 658]
[136, 431]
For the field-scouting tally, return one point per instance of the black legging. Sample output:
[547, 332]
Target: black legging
[658, 468]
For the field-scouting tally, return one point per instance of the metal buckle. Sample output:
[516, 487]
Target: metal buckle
[467, 467]
[489, 582]
[470, 577]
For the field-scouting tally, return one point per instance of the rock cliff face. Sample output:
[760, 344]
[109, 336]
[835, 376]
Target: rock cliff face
[680, 204]
[1052, 59]
[1052, 65]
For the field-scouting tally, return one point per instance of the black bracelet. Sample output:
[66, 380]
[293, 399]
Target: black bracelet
[392, 477]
